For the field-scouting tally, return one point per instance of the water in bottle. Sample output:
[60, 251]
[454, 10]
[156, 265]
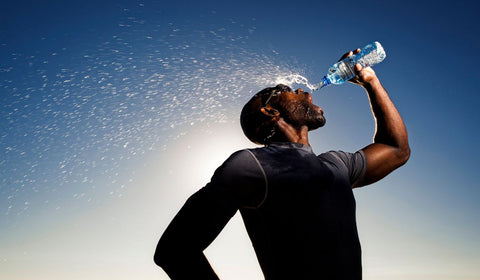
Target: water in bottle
[344, 70]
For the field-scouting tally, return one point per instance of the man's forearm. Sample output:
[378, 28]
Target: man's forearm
[180, 249]
[180, 266]
[390, 148]
[390, 128]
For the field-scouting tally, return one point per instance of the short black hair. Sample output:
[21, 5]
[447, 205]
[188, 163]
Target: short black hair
[257, 126]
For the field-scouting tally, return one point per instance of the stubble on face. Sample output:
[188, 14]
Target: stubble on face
[303, 112]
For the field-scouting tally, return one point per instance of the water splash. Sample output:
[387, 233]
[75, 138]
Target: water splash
[77, 119]
[294, 80]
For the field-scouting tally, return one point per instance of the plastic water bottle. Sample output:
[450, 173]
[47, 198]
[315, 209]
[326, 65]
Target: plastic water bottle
[344, 70]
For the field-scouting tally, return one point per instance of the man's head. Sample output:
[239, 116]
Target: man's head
[260, 115]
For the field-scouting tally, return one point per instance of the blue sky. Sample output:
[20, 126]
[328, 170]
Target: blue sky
[114, 112]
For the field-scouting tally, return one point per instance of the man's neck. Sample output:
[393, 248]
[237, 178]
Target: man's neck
[299, 136]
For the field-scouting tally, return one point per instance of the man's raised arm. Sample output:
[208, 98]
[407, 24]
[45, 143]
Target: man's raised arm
[390, 148]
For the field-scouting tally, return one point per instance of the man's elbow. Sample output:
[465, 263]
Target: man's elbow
[164, 254]
[403, 154]
[160, 257]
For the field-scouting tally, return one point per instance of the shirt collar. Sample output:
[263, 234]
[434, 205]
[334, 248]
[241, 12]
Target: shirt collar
[291, 145]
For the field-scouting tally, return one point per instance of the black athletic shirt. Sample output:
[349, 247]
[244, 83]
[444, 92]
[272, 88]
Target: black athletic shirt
[298, 208]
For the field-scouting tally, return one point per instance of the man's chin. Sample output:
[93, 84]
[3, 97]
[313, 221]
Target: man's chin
[319, 122]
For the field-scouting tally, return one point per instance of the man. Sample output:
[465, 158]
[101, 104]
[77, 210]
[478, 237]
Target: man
[298, 208]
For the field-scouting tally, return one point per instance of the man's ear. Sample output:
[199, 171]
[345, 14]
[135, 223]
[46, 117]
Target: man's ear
[270, 111]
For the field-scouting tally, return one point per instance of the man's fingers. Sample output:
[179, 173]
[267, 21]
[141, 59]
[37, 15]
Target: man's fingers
[346, 55]
[349, 54]
[358, 67]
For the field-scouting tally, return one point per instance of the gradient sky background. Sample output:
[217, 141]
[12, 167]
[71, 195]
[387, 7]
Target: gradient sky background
[114, 112]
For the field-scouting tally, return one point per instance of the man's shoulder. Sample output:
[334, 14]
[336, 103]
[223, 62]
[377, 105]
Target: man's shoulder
[242, 176]
[248, 154]
[240, 162]
[240, 156]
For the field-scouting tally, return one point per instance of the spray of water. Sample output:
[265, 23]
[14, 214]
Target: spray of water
[76, 120]
[295, 79]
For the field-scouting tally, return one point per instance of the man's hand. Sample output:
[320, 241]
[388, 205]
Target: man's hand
[364, 76]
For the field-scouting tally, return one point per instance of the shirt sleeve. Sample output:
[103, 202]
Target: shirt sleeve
[235, 184]
[356, 164]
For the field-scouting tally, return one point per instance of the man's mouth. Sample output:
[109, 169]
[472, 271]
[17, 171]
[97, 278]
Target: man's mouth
[317, 108]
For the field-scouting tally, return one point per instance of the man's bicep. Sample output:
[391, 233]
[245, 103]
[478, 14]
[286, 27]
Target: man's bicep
[381, 160]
